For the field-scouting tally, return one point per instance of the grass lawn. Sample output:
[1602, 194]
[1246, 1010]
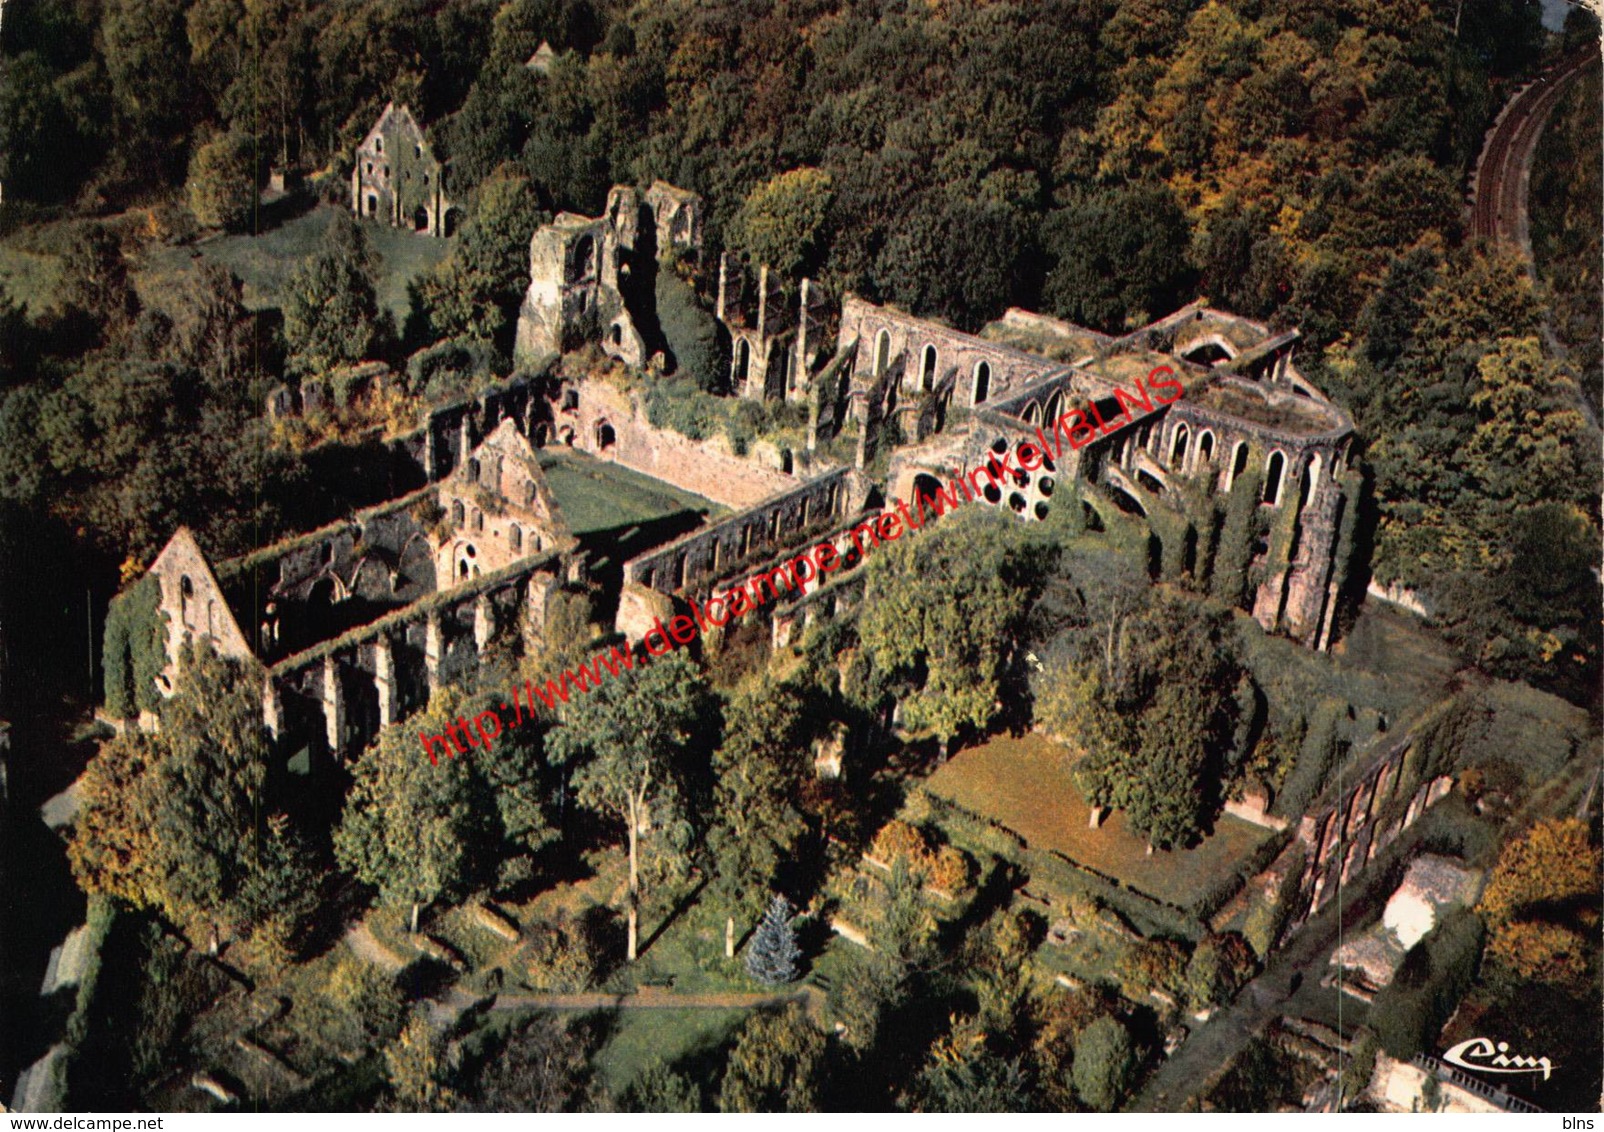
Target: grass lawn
[265, 262]
[598, 495]
[1025, 785]
[641, 1036]
[30, 261]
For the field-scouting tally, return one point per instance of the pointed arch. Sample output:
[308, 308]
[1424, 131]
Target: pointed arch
[1239, 463]
[1274, 472]
[1178, 446]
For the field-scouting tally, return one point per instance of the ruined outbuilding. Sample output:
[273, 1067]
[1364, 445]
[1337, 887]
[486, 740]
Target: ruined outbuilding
[398, 180]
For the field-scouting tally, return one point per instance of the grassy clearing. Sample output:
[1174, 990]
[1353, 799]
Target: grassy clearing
[266, 262]
[1417, 663]
[640, 1037]
[28, 276]
[597, 495]
[1025, 785]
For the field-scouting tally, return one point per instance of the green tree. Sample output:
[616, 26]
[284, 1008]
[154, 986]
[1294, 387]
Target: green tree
[1218, 968]
[1434, 976]
[475, 292]
[209, 800]
[418, 1066]
[1104, 1062]
[982, 1083]
[539, 1068]
[113, 846]
[408, 827]
[222, 181]
[866, 996]
[331, 311]
[146, 53]
[631, 742]
[1175, 676]
[757, 770]
[771, 956]
[777, 1065]
[781, 222]
[1545, 867]
[1530, 440]
[1317, 756]
[1119, 257]
[942, 608]
[691, 332]
[660, 1089]
[42, 154]
[280, 893]
[95, 280]
[1229, 580]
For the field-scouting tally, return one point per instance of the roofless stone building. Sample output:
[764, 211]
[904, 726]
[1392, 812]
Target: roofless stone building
[355, 623]
[397, 178]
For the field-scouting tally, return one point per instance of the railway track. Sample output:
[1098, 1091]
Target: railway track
[1503, 171]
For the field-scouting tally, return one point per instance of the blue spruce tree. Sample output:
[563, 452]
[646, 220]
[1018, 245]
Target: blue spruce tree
[771, 956]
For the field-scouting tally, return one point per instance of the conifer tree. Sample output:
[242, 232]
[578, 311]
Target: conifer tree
[771, 957]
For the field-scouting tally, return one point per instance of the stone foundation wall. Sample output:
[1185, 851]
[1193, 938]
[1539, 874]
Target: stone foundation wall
[1346, 830]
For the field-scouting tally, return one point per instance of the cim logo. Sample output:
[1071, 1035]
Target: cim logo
[1481, 1055]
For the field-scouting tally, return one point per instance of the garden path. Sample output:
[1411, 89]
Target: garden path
[647, 998]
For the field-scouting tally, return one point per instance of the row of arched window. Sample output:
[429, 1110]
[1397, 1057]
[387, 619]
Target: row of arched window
[929, 368]
[1180, 449]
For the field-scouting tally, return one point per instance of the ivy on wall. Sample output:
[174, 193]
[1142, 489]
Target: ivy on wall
[133, 652]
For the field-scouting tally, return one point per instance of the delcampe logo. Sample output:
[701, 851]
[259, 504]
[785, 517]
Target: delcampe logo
[1481, 1055]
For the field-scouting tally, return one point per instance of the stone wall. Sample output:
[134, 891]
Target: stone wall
[194, 606]
[586, 274]
[784, 524]
[607, 422]
[306, 588]
[396, 178]
[884, 334]
[1374, 802]
[335, 696]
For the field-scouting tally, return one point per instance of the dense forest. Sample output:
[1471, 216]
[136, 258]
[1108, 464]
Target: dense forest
[1294, 161]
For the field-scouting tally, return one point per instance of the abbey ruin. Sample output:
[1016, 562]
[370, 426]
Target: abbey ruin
[354, 624]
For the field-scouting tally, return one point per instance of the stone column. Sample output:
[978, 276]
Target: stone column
[333, 706]
[537, 604]
[433, 650]
[465, 434]
[384, 681]
[484, 622]
[272, 710]
[431, 458]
